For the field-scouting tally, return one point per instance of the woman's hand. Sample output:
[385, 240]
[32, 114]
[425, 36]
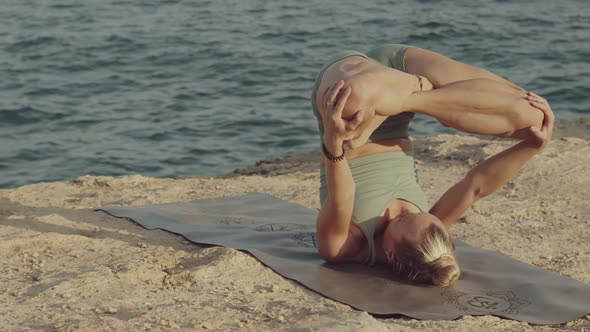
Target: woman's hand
[365, 133]
[541, 137]
[336, 129]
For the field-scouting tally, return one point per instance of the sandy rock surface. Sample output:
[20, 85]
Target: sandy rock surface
[66, 267]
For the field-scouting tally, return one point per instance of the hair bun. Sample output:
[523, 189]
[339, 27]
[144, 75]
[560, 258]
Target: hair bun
[445, 270]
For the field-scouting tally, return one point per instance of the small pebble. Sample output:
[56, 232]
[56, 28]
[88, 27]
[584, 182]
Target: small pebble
[110, 310]
[531, 223]
[274, 288]
[281, 319]
[36, 275]
[16, 293]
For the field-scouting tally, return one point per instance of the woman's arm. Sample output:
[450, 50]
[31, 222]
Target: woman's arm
[494, 172]
[478, 106]
[333, 222]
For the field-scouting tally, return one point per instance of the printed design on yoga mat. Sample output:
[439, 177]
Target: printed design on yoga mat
[236, 220]
[280, 227]
[303, 239]
[476, 301]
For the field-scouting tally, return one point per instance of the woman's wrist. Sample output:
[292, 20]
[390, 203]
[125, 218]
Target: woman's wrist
[534, 143]
[333, 145]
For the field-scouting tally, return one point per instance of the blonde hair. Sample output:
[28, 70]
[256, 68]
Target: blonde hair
[432, 259]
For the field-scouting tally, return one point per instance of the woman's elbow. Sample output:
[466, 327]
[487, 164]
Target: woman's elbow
[330, 256]
[476, 185]
[330, 249]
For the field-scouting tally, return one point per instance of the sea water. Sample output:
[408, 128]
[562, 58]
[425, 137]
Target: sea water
[199, 88]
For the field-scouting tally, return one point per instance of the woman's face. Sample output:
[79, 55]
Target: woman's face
[406, 226]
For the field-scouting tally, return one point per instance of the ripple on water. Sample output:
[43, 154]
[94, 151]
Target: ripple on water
[34, 43]
[26, 115]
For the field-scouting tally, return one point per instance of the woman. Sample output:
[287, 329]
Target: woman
[373, 210]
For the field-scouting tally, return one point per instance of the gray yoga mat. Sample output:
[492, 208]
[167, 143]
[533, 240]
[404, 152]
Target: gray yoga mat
[282, 236]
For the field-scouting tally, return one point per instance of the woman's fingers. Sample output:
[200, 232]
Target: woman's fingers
[331, 97]
[544, 134]
[548, 117]
[341, 102]
[533, 96]
[328, 93]
[352, 124]
[326, 97]
[334, 102]
[546, 120]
